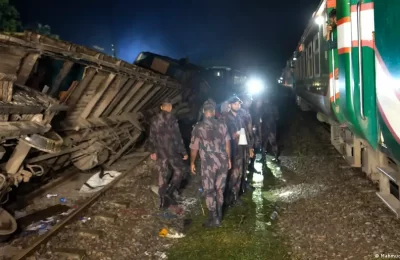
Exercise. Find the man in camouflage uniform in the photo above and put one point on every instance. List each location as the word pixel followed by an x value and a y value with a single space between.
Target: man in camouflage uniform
pixel 167 149
pixel 200 114
pixel 234 123
pixel 245 115
pixel 211 137
pixel 269 117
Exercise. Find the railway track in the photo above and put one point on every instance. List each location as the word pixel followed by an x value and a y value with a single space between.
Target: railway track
pixel 134 160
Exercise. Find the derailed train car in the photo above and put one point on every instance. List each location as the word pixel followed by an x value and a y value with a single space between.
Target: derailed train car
pixel 63 104
pixel 195 88
pixel 352 81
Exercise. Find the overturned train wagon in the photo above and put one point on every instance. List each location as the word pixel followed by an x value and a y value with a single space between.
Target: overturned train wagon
pixel 63 104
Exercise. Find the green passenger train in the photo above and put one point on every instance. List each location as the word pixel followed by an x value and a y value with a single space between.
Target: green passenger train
pixel 352 79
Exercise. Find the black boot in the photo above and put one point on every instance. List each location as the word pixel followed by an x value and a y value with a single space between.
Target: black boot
pixel 236 199
pixel 213 220
pixel 170 194
pixel 276 159
pixel 228 199
pixel 164 201
pixel 249 187
pixel 251 165
pixel 263 156
pixel 219 212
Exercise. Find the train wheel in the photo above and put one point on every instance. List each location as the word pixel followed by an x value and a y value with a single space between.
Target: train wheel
pixel 49 142
pixel 8 225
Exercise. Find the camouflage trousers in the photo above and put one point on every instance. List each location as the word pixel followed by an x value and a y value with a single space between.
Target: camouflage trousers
pixel 236 173
pixel 214 170
pixel 269 136
pixel 164 167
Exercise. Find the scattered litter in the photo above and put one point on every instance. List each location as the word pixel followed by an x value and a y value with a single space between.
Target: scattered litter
pixel 163 232
pixel 41 227
pixel 66 213
pixel 268 223
pixel 154 189
pixel 189 202
pixel 98 181
pixel 84 219
pixel 63 200
pixel 19 214
pixel 51 195
pixel 161 255
pixel 274 215
pixel 172 233
pixel 146 216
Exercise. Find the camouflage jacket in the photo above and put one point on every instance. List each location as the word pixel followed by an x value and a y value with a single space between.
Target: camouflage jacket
pixel 209 137
pixel 234 124
pixel 247 121
pixel 165 137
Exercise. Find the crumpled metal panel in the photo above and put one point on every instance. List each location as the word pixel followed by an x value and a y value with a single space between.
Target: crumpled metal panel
pixel 109 98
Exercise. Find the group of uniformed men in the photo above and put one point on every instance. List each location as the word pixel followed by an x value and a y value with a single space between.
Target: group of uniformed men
pixel 224 162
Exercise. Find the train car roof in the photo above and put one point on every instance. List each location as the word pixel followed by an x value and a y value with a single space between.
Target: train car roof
pixel 319 10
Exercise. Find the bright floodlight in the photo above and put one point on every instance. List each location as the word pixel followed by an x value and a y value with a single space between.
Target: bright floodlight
pixel 319 20
pixel 255 86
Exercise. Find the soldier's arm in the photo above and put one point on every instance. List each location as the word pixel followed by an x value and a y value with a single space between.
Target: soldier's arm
pixel 228 144
pixel 194 145
pixel 181 146
pixel 151 141
pixel 251 134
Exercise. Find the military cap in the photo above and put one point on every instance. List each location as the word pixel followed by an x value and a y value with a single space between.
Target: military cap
pixel 234 99
pixel 209 105
pixel 166 101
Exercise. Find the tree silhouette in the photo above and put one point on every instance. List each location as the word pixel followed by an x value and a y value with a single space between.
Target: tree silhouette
pixel 9 17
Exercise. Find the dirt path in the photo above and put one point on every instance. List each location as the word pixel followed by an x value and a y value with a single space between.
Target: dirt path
pixel 326 209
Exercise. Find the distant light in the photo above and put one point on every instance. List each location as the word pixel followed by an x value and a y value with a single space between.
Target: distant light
pixel 294 58
pixel 281 78
pixel 218 73
pixel 319 20
pixel 255 86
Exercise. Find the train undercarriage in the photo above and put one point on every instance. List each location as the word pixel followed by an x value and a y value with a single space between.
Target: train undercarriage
pixel 63 104
pixel 378 165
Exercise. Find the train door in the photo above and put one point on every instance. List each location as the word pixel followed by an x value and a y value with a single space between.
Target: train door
pixel 355 22
pixel 387 64
pixel 333 65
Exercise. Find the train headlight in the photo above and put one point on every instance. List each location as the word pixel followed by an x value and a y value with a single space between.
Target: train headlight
pixel 255 86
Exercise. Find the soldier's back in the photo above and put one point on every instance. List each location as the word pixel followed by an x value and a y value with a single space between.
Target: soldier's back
pixel 212 134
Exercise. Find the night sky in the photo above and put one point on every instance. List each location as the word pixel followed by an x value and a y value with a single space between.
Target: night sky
pixel 256 34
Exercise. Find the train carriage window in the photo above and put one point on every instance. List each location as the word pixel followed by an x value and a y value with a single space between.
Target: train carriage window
pixel 309 61
pixel 316 56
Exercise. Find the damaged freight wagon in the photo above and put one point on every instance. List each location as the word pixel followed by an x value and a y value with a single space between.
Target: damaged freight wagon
pixel 63 104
